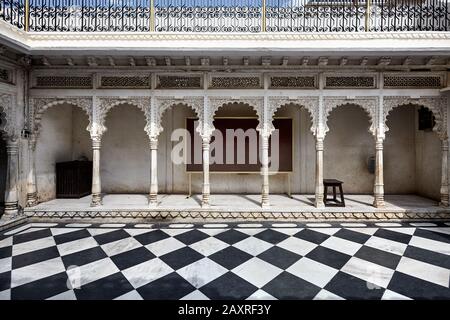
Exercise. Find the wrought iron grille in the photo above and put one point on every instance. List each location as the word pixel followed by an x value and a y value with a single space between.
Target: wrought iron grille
pixel 227 15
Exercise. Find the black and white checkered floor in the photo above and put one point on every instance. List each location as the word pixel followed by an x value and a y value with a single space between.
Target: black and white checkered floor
pixel 226 261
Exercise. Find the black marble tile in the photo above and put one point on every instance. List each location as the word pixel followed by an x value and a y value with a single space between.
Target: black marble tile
pixel 6 252
pixel 180 258
pixel 416 288
pixel 312 236
pixel 329 257
pixel 380 257
pixel 169 287
pixel 111 236
pixel 393 235
pixel 131 258
pixel 83 257
pixel 191 237
pixel 30 236
pixel 231 236
pixel 352 235
pixel 151 236
pixel 271 236
pixel 432 235
pixel 230 257
pixel 5 280
pixel 279 257
pixel 352 288
pixel 72 236
pixel 435 258
pixel 42 288
pixel 229 286
pixel 289 287
pixel 109 287
pixel 28 258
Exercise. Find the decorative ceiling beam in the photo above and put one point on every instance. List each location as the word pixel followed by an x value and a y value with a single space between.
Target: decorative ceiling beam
pixel 384 61
pixel 92 62
pixel 323 61
pixel 266 61
pixel 151 62
pixel 364 61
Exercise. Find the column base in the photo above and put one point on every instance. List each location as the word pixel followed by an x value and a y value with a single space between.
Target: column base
pixel 205 201
pixel 444 200
pixel 32 199
pixel 11 210
pixel 96 200
pixel 153 200
pixel 318 203
pixel 265 201
pixel 378 201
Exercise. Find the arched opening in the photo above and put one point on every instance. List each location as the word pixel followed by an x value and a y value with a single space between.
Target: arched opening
pixel 172 175
pixel 349 148
pixel 412 157
pixel 125 152
pixel 303 158
pixel 62 137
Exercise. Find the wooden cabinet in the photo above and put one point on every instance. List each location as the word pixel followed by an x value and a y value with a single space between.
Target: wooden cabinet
pixel 73 179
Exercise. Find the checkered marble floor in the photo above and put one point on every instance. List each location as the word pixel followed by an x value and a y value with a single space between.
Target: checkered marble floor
pixel 269 260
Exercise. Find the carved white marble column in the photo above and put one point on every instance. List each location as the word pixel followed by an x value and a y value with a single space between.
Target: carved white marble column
pixel 319 172
pixel 96 181
pixel 444 173
pixel 378 190
pixel 205 158
pixel 265 169
pixel 11 193
pixel 31 178
pixel 153 197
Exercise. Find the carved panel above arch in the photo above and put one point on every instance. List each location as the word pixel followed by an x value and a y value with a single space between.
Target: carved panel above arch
pixel 368 104
pixel 8 125
pixel 40 105
pixel 311 104
pixel 437 105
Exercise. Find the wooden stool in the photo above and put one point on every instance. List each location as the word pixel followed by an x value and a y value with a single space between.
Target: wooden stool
pixel 333 183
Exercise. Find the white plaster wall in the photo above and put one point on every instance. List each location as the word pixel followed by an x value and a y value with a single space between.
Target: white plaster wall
pixel 125 152
pixel 54 144
pixel 347 147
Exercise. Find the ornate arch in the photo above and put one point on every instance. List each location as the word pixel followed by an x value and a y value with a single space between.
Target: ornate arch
pixel 437 105
pixel 165 103
pixel 7 115
pixel 107 103
pixel 311 104
pixel 368 104
pixel 257 103
pixel 40 105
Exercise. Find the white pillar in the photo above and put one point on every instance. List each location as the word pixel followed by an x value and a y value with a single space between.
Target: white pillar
pixel 31 178
pixel 265 170
pixel 444 174
pixel 96 182
pixel 319 172
pixel 11 196
pixel 378 189
pixel 205 156
pixel 153 197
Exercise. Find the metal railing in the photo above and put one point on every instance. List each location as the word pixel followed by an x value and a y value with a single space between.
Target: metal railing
pixel 227 15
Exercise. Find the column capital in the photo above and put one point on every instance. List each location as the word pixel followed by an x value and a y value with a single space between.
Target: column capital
pixel 96 142
pixel 153 142
pixel 12 146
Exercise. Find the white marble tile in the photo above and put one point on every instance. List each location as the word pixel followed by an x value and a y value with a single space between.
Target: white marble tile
pixel 368 231
pixel 249 225
pixel 368 271
pixel 328 231
pixel 353 224
pixel 98 231
pixel 33 245
pixel 146 272
pixel 209 246
pixel 312 271
pixel 284 225
pixel 386 245
pixel 181 225
pixel 5 294
pixel 318 225
pixel 29 230
pixel 327 295
pixel 5 264
pixel 143 225
pixel 76 246
pixel 440 230
pixel 112 225
pixel 91 272
pixel 257 271
pixel 132 295
pixel 43 224
pixel 215 225
pixel 253 246
pixel 195 295
pixel 388 224
pixel 6 242
pixel 66 295
pixel 408 231
pixel 78 225
pixel 119 246
pixel 424 271
pixel 422 224
pixel 391 295
pixel 136 232
pixel 212 232
pixel 176 231
pixel 164 246
pixel 431 245
pixel 17 230
pixel 250 231
pixel 36 271
pixel 58 231
pixel 296 245
pixel 201 272
pixel 261 295
pixel 341 245
pixel 288 231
